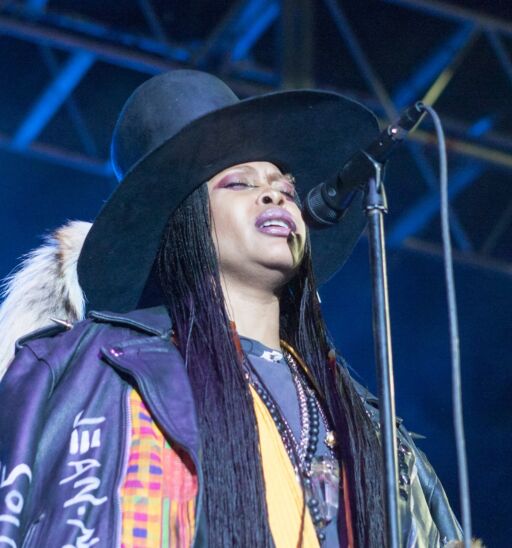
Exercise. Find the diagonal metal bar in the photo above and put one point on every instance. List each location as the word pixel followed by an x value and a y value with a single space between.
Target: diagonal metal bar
pixel 243 80
pixel 501 53
pixel 468 149
pixel 52 98
pixel 71 107
pixel 446 60
pixel 497 231
pixel 152 20
pixel 360 57
pixel 241 27
pixel 216 36
pixel 419 214
pixel 59 156
pixel 250 12
pixel 428 174
pixel 130 58
pixel 456 13
pixel 52 37
pixel 61 25
pixel 255 30
pixel 471 259
pixel 412 89
pixel 416 217
pixel 445 77
pixel 36 5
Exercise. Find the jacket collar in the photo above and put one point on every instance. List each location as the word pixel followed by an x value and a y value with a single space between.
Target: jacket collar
pixel 154 321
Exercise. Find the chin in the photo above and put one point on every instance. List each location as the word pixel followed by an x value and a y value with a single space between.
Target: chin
pixel 284 260
pixel 279 273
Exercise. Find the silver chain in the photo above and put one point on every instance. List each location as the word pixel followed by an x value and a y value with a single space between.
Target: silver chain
pixel 303 393
pixel 303 407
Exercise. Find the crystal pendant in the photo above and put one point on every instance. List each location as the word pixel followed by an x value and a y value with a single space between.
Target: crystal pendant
pixel 324 486
pixel 330 439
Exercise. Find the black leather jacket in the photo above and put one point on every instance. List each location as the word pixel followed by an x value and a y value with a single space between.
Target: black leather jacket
pixel 64 434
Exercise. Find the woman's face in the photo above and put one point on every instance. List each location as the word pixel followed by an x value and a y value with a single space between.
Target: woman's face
pixel 257 227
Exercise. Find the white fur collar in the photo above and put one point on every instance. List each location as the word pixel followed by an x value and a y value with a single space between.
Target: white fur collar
pixel 45 286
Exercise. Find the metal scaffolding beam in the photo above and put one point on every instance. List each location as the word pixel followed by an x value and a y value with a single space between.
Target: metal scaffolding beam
pixel 427 172
pixel 501 53
pixel 372 78
pixel 414 87
pixel 36 5
pixel 237 32
pixel 455 13
pixel 52 98
pixel 469 259
pixel 152 20
pixel 104 51
pixel 246 80
pixel 253 31
pixel 70 105
pixel 422 211
pixel 228 51
pixel 60 156
pixel 297 49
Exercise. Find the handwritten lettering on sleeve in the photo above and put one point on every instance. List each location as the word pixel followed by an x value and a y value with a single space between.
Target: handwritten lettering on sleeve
pixel 84 477
pixel 12 500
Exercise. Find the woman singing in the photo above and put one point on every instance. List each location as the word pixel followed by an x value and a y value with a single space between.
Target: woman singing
pixel 201 401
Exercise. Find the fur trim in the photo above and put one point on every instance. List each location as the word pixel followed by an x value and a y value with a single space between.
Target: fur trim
pixel 44 287
pixel 475 543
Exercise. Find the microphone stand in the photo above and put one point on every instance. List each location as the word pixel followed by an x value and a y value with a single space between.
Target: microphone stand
pixel 325 205
pixel 375 206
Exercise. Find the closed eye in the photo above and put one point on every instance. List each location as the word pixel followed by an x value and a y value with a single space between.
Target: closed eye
pixel 288 191
pixel 291 194
pixel 239 184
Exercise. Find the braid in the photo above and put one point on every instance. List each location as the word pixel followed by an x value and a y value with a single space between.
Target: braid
pixel 235 504
pixel 358 445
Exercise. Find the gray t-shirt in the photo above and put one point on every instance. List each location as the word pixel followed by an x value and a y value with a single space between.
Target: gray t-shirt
pixel 277 378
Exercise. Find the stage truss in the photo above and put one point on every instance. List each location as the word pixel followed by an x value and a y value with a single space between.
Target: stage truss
pixel 75 44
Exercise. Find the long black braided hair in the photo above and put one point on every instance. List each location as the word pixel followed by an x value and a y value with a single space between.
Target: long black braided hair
pixel 235 504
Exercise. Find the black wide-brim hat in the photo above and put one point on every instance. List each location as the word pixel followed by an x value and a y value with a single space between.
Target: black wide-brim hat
pixel 178 130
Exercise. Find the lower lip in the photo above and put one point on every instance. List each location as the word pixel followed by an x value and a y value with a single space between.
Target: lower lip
pixel 275 231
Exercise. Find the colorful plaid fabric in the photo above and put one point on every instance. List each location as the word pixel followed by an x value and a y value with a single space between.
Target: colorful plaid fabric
pixel 159 490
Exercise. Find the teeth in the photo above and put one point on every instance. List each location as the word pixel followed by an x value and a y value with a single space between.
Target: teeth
pixel 275 222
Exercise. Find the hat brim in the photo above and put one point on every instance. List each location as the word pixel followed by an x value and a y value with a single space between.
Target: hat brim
pixel 307 133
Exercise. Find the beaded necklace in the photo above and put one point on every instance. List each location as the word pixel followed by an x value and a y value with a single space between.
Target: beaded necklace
pixel 319 475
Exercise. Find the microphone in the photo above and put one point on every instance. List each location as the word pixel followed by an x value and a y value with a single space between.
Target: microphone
pixel 327 203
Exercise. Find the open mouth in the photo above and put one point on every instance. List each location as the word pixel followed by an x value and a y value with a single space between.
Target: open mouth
pixel 276 221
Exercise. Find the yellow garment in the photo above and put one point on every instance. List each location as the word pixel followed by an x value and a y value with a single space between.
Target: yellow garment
pixel 285 501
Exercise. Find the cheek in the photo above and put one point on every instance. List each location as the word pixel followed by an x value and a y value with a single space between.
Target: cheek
pixel 301 225
pixel 228 224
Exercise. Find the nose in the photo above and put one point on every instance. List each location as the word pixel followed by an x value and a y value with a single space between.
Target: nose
pixel 271 196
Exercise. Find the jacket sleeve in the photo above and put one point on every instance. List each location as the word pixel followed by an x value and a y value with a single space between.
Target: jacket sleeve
pixel 436 498
pixel 430 511
pixel 426 516
pixel 24 392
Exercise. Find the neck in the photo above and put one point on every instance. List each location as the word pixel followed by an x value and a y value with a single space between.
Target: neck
pixel 255 311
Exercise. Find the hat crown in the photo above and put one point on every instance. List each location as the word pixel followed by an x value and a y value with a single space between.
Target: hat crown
pixel 159 108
